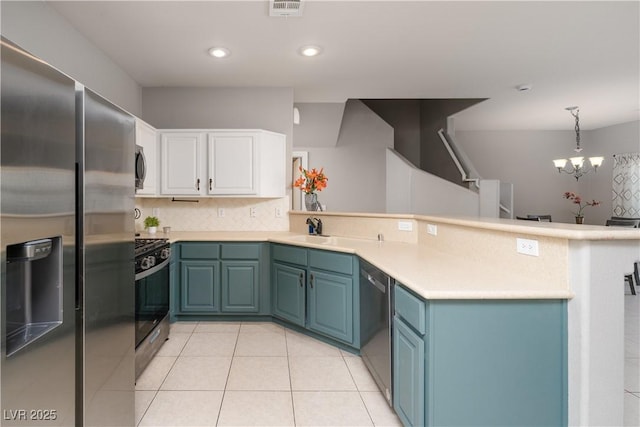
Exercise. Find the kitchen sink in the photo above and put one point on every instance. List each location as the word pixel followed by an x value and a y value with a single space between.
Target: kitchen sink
pixel 314 238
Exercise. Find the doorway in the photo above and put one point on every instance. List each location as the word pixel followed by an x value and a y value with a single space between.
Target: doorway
pixel 298 159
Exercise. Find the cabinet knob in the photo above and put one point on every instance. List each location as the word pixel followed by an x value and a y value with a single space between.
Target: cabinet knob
pixel 198 184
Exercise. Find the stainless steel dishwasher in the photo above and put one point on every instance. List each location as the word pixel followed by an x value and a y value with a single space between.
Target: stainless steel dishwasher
pixel 376 310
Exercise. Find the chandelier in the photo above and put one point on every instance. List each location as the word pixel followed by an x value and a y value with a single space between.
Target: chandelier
pixel 578 168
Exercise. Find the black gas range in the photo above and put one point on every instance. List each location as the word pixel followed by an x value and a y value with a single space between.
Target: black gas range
pixel 152 258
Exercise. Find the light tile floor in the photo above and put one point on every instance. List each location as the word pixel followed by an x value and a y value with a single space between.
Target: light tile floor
pixel 632 360
pixel 261 374
pixel 255 374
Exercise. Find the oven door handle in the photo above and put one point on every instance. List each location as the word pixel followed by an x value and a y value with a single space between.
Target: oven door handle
pixel 152 270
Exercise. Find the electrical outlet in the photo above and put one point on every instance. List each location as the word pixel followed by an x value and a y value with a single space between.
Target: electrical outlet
pixel 220 212
pixel 527 247
pixel 432 229
pixel 405 226
pixel 278 212
pixel 155 212
pixel 252 212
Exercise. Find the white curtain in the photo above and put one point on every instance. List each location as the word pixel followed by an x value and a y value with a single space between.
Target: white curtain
pixel 626 185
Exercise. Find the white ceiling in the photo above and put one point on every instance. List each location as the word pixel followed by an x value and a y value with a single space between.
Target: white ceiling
pixel 573 53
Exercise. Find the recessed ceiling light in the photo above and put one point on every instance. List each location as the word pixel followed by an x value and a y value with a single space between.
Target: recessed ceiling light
pixel 310 50
pixel 524 87
pixel 219 52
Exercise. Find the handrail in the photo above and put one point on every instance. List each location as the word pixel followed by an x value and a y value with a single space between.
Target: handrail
pixel 504 209
pixel 454 157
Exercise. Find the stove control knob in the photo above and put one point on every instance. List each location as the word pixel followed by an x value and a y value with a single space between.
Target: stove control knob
pixel 165 253
pixel 147 262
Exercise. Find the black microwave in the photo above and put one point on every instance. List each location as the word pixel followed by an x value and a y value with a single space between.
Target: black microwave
pixel 141 168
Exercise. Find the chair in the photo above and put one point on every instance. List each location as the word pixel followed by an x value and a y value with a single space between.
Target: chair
pixel 623 222
pixel 541 218
pixel 525 218
pixel 629 278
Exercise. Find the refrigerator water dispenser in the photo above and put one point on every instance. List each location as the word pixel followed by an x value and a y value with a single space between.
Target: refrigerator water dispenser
pixel 34 291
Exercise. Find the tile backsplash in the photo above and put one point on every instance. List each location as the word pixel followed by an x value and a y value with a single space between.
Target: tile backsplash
pixel 203 215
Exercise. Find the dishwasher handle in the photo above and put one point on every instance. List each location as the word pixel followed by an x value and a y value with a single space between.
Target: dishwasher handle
pixel 375 282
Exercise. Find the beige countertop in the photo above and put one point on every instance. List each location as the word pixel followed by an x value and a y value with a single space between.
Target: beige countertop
pixel 430 273
pixel 547 229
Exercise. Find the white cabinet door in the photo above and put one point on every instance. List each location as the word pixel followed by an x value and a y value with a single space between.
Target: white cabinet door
pixel 146 138
pixel 180 154
pixel 231 163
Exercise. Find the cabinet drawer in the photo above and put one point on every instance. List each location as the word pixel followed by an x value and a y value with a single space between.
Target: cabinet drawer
pixel 240 251
pixel 331 261
pixel 411 309
pixel 290 254
pixel 199 250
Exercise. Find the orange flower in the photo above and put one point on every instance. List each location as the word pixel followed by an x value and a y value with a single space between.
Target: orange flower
pixel 311 181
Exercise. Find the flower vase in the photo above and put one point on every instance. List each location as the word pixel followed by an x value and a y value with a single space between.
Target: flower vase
pixel 579 219
pixel 311 201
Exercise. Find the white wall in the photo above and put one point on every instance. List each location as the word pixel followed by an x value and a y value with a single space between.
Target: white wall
pixel 37 28
pixel 319 124
pixel 412 190
pixel 356 165
pixel 524 159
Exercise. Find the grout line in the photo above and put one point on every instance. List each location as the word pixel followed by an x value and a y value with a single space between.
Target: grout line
pixel 286 347
pixel 155 393
pixel 224 391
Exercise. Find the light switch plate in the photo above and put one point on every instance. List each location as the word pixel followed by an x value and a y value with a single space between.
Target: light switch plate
pixel 220 212
pixel 527 247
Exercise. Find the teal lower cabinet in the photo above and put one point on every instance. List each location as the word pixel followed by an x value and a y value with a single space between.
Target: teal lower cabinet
pixel 200 286
pixel 220 279
pixel 480 362
pixel 240 286
pixel 316 290
pixel 330 301
pixel 408 374
pixel 288 293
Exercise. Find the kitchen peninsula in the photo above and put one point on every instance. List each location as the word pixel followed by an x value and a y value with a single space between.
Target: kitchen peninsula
pixel 445 258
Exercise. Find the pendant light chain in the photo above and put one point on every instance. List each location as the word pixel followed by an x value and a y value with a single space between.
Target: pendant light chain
pixel 577 129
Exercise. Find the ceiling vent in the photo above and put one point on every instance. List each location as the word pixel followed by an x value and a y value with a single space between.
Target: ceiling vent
pixel 285 7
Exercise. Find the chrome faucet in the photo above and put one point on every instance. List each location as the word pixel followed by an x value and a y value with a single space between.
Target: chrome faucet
pixel 315 226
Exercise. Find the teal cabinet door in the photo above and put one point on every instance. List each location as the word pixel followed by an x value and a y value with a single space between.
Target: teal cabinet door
pixel 240 286
pixel 199 286
pixel 331 305
pixel 288 293
pixel 408 374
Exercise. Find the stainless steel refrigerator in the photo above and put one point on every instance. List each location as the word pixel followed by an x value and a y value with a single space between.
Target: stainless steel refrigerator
pixel 66 250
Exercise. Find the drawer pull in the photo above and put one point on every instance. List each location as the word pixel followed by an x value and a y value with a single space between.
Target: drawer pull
pixel 311 281
pixel 210 184
pixel 301 279
pixel 198 184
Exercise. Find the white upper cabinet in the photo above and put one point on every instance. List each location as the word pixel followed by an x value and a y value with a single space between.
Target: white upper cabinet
pixel 231 158
pixel 146 138
pixel 180 170
pixel 240 163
